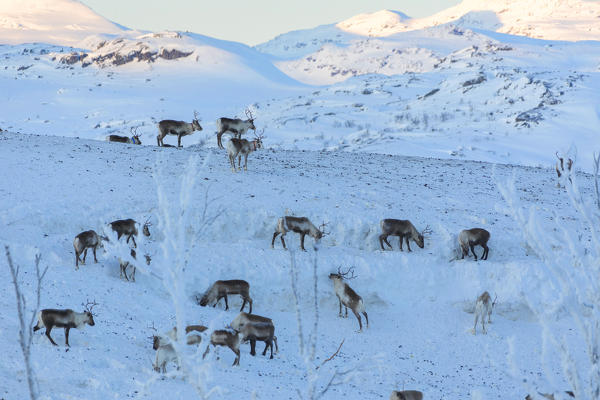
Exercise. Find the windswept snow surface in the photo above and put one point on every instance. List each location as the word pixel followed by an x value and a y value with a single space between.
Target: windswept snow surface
pixel 419 303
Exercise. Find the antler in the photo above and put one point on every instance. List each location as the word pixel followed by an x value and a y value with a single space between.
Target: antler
pixel 249 115
pixel 322 229
pixel 426 231
pixel 147 223
pixel 345 274
pixel 133 131
pixel 260 135
pixel 495 298
pixel 89 305
pixel 196 115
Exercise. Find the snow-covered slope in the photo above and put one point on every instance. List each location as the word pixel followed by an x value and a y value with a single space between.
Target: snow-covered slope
pixel 419 303
pixel 373 24
pixel 61 22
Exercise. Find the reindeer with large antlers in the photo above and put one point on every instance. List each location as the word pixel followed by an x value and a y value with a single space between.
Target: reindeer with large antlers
pixel 134 139
pixel 236 148
pixel 348 297
pixel 301 225
pixel 177 128
pixel 404 229
pixel 236 126
pixel 67 319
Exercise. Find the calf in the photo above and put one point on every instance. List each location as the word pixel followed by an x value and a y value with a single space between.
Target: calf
pixel 301 225
pixel 67 319
pixel 406 395
pixel 220 289
pixel 83 241
pixel 469 238
pixel 226 338
pixel 348 297
pixel 236 148
pixel 253 328
pixel 483 308
pixel 402 228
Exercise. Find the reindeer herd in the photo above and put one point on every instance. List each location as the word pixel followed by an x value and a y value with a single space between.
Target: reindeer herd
pixel 247 327
pixel 236 147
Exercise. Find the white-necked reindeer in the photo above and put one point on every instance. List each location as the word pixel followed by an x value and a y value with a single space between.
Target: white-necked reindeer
pixel 83 241
pixel 404 229
pixel 177 128
pixel 134 139
pixel 49 318
pixel 128 227
pixel 236 148
pixel 406 395
pixel 234 125
pixel 301 225
pixel 469 238
pixel 483 308
pixel 226 338
pixel 348 297
pixel 254 327
pixel 220 289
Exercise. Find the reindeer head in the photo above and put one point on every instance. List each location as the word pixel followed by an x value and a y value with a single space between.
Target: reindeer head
pixel 250 119
pixel 258 138
pixel 420 241
pixel 145 229
pixel 196 122
pixel 135 138
pixel 155 338
pixel 88 307
pixel 349 274
pixel 321 231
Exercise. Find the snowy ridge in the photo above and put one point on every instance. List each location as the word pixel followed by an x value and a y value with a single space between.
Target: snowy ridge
pixel 374 24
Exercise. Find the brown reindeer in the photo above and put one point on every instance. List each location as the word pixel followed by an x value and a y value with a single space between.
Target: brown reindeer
pixel 220 289
pixel 128 227
pixel 177 128
pixel 469 238
pixel 348 297
pixel 301 225
pixel 49 318
pixel 236 126
pixel 134 139
pixel 406 395
pixel 253 328
pixel 83 241
pixel 226 338
pixel 404 229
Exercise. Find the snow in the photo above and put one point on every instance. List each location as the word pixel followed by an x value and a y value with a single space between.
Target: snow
pixel 379 116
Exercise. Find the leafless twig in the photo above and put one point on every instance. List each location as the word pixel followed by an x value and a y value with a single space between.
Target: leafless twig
pixel 333 355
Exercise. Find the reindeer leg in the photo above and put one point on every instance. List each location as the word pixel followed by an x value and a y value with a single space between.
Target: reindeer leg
pixel 84 255
pixel 266 347
pixel 473 251
pixel 206 351
pixel 401 238
pixel 67 329
pixel 386 242
pixel 226 304
pixel 94 251
pixel 408 243
pixel 240 162
pixel 283 241
pixel 465 252
pixel 253 347
pixel 302 241
pixel 133 274
pixel 475 325
pixel 485 252
pixel 219 144
pixel 357 315
pixel 346 312
pixel 237 357
pixel 76 260
pixel 178 140
pixel 48 330
pixel 246 162
pixel 340 301
pixel 381 242
pixel 366 317
pixel 483 324
pixel 250 305
pixel 273 241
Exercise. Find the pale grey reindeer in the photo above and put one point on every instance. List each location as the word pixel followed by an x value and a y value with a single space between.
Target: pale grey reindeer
pixel 406 395
pixel 236 148
pixel 253 328
pixel 128 227
pixel 236 126
pixel 301 225
pixel 220 289
pixel 134 139
pixel 348 297
pixel 123 264
pixel 177 128
pixel 83 241
pixel 49 318
pixel 225 338
pixel 469 238
pixel 483 308
pixel 404 229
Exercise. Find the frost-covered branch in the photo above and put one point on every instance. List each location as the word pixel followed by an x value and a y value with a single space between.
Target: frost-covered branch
pixel 25 330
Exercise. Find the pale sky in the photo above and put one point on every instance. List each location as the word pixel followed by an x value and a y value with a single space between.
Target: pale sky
pixel 249 21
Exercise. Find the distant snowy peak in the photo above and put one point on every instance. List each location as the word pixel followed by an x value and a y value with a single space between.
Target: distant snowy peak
pixel 380 23
pixel 543 19
pixel 62 22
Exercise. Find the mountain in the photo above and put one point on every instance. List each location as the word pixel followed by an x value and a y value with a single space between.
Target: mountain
pixel 373 24
pixel 61 22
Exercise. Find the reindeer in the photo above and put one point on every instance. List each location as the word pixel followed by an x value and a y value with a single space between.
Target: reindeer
pixel 225 338
pixel 67 319
pixel 253 328
pixel 128 228
pixel 469 238
pixel 347 296
pixel 178 128
pixel 83 241
pixel 134 139
pixel 404 229
pixel 220 289
pixel 242 147
pixel 483 308
pixel 406 395
pixel 300 225
pixel 164 340
pixel 124 264
pixel 164 355
pixel 236 126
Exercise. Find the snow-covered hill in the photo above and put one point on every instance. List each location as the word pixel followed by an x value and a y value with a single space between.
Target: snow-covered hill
pixel 61 22
pixel 419 303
